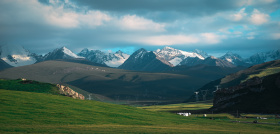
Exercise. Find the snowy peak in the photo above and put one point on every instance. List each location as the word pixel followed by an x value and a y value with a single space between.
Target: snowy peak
pixel 16 55
pixel 84 52
pixel 202 53
pixel 139 54
pixel 231 57
pixel 175 56
pixel 60 53
pixel 143 60
pixel 109 59
pixel 210 61
pixel 69 52
pixel 263 57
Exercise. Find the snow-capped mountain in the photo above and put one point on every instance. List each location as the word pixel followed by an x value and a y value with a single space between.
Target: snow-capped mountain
pixel 263 57
pixel 116 59
pixel 175 56
pixel 110 59
pixel 234 59
pixel 95 56
pixel 143 60
pixel 15 55
pixel 61 53
pixel 211 61
pixel 202 53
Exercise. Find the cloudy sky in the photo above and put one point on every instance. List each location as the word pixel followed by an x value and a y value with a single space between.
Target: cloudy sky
pixel 215 26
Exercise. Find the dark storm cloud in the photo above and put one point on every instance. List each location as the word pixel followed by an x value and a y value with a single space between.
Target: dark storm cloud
pixel 190 7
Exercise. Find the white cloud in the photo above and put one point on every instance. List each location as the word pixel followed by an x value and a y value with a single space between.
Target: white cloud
pixel 238 16
pixel 57 17
pixel 133 22
pixel 211 38
pixel 275 36
pixel 55 14
pixel 259 18
pixel 251 35
pixel 94 18
pixel 162 40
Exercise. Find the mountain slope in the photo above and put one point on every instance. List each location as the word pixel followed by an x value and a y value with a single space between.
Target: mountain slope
pixel 238 77
pixel 234 59
pixel 255 95
pixel 202 53
pixel 60 53
pixel 142 60
pixel 210 61
pixel 16 55
pixel 264 57
pixel 4 65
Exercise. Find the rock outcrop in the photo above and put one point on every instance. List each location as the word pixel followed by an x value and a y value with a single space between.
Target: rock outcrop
pixel 67 91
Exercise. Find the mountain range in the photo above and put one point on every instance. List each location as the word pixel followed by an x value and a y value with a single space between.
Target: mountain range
pixel 140 60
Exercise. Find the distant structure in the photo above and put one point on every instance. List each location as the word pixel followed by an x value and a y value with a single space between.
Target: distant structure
pixel 185 114
pixel 89 96
pixel 217 87
pixel 196 96
pixel 204 93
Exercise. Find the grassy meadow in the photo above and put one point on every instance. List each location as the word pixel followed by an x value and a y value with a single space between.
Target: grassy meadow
pixel 180 107
pixel 29 112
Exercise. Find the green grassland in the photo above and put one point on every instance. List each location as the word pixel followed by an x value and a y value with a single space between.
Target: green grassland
pixel 29 112
pixel 180 107
pixel 29 86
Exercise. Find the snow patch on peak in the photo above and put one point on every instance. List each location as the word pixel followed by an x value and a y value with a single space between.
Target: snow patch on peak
pixel 175 56
pixel 202 53
pixel 176 61
pixel 70 53
pixel 140 53
pixel 108 58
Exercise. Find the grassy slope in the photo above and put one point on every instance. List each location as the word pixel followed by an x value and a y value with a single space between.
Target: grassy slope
pixel 29 86
pixel 26 112
pixel 265 72
pixel 180 107
pixel 234 79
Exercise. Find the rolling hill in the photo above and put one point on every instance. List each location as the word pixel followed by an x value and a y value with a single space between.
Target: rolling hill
pixel 116 84
pixel 113 83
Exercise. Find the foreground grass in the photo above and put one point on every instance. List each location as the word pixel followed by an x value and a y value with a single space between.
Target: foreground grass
pixel 26 112
pixel 180 107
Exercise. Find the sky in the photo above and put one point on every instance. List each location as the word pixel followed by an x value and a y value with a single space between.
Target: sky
pixel 215 26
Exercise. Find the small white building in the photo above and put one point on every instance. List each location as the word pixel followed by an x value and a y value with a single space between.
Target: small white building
pixel 184 114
